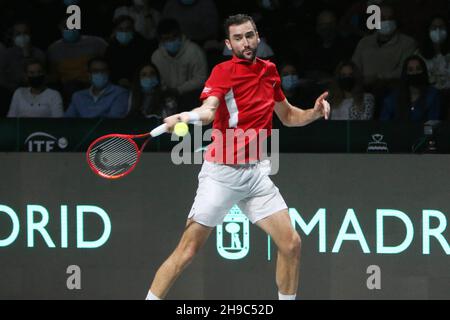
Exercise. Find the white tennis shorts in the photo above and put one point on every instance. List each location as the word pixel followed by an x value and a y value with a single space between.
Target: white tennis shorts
pixel 248 186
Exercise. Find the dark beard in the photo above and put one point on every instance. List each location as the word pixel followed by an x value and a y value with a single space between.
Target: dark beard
pixel 241 55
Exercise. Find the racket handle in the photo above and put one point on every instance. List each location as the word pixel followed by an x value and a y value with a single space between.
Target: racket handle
pixel 159 131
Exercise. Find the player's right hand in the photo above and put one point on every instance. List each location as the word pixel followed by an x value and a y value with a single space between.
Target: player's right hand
pixel 173 120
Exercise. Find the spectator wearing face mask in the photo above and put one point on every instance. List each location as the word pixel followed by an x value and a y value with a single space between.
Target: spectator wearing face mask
pixel 380 56
pixel 145 17
pixel 414 15
pixel 69 56
pixel 347 95
pixel 181 63
pixel 298 91
pixel 148 98
pixel 416 100
pixel 126 52
pixel 199 19
pixel 290 82
pixel 18 55
pixel 436 52
pixel 36 100
pixel 102 99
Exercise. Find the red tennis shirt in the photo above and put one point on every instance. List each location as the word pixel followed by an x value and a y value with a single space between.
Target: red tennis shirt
pixel 247 92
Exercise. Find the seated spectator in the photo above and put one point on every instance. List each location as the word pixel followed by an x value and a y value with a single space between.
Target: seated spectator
pixel 16 57
pixel 347 96
pixel 69 56
pixel 145 17
pixel 102 99
pixel 414 15
pixel 416 100
pixel 181 63
pixel 436 51
pixel 380 56
pixel 199 19
pixel 327 49
pixel 126 52
pixel 148 98
pixel 36 100
pixel 299 92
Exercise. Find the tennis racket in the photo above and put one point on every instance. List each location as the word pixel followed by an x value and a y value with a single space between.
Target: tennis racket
pixel 115 156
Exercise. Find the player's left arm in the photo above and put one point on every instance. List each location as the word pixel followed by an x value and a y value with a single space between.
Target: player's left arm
pixel 292 116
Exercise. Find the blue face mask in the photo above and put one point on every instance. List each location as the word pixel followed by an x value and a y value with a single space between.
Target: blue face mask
pixel 124 37
pixel 172 47
pixel 100 80
pixel 290 82
pixel 71 36
pixel 148 84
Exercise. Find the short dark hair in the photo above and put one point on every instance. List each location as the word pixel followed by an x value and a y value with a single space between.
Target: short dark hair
pixel 422 63
pixel 97 59
pixel 168 26
pixel 237 20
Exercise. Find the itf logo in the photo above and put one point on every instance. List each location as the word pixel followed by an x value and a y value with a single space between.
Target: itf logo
pixel 44 142
pixel 233 236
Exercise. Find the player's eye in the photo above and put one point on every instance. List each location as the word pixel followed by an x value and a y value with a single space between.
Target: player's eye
pixel 250 35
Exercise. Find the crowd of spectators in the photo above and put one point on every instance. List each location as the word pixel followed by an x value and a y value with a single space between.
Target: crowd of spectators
pixel 151 58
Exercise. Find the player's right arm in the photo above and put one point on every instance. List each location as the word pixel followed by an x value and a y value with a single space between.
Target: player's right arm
pixel 206 114
pixel 215 90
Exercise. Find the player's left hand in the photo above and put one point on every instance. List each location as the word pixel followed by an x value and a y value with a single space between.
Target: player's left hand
pixel 322 107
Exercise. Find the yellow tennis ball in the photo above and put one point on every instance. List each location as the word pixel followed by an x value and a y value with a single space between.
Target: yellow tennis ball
pixel 181 129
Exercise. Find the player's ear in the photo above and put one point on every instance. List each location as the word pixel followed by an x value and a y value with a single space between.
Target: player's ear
pixel 259 39
pixel 228 44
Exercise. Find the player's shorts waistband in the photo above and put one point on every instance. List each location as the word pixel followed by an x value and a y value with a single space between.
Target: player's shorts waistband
pixel 251 164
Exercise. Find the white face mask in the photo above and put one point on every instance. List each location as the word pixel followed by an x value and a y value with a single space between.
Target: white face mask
pixel 438 35
pixel 388 27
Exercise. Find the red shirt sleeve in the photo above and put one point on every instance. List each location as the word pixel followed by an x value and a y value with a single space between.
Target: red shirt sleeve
pixel 278 95
pixel 217 85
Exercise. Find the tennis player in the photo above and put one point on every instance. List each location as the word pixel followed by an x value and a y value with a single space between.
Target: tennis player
pixel 241 94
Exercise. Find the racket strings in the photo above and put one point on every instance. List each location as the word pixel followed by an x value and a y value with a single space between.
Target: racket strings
pixel 114 156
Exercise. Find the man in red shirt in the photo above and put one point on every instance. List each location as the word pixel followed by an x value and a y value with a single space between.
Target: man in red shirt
pixel 240 97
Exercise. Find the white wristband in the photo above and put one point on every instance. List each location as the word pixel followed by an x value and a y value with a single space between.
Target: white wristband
pixel 194 117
